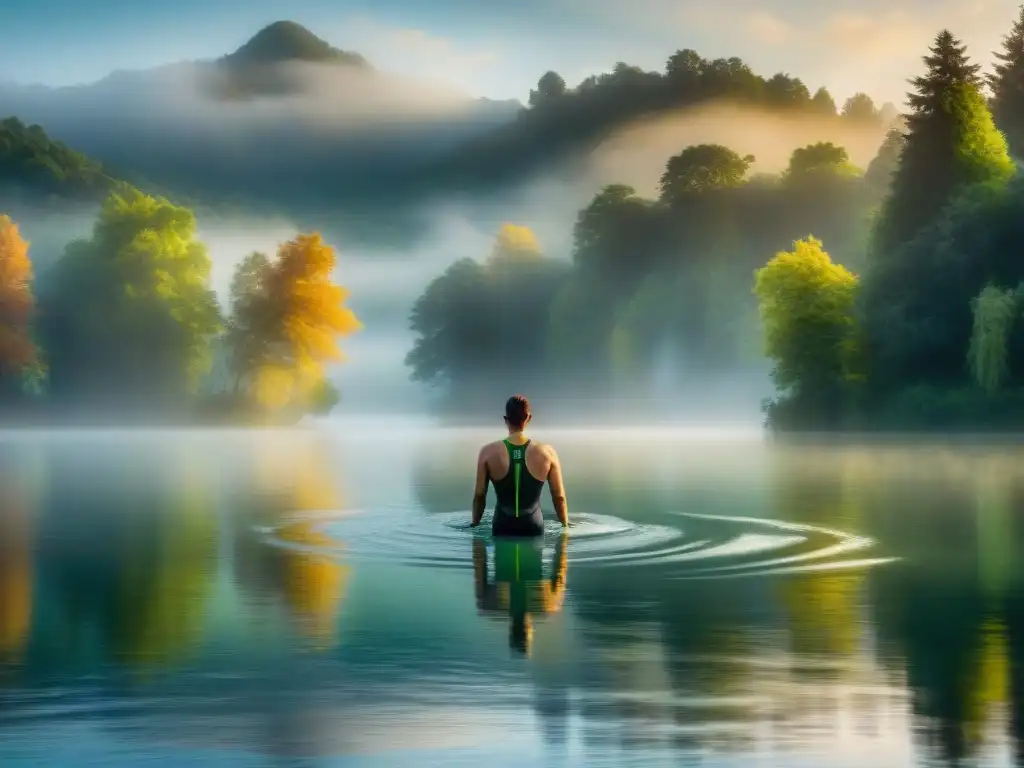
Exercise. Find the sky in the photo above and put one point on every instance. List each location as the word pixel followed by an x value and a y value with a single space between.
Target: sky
pixel 498 49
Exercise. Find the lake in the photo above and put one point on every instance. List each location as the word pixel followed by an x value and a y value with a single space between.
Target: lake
pixel 310 597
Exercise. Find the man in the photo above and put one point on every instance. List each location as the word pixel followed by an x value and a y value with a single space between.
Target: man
pixel 518 469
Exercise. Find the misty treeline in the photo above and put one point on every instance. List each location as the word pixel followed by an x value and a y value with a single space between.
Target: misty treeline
pixel 895 300
pixel 566 124
pixel 125 324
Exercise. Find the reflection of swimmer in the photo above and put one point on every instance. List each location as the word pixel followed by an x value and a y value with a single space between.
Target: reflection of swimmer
pixel 518 475
pixel 519 589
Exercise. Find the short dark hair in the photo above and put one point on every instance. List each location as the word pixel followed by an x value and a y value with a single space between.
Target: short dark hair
pixel 517 410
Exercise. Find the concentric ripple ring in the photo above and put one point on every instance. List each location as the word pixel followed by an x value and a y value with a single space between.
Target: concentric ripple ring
pixel 709 546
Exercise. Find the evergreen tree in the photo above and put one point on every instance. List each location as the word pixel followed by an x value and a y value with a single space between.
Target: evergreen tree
pixel 1007 83
pixel 951 142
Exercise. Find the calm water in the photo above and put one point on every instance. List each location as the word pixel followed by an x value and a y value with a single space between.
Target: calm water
pixel 310 597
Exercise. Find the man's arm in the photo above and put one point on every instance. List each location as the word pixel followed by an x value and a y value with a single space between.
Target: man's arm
pixel 480 492
pixel 558 489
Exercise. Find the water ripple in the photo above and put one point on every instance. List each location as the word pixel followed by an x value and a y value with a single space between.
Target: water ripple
pixel 707 546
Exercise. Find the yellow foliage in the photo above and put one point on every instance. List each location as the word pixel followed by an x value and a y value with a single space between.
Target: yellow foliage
pixel 16 301
pixel 314 585
pixel 514 239
pixel 274 386
pixel 806 304
pixel 301 315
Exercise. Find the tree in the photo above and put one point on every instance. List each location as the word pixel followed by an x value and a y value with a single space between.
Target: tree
pixel 287 317
pixel 951 142
pixel 1007 84
pixel 823 103
pixel 702 168
pixel 785 91
pixel 550 88
pixel 128 316
pixel 684 68
pixel 994 309
pixel 17 304
pixel 861 108
pixel 823 160
pixel 806 303
pixel 884 164
pixel 484 324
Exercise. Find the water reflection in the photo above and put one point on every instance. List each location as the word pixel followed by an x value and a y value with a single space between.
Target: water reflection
pixel 518 590
pixel 16 560
pixel 286 491
pixel 134 571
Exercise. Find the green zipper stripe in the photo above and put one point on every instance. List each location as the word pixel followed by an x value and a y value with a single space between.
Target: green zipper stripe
pixel 517 489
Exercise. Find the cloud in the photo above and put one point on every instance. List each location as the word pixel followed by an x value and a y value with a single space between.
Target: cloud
pixel 421 53
pixel 767 28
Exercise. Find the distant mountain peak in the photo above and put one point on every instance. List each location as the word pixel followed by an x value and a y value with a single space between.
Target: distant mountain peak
pixel 285 41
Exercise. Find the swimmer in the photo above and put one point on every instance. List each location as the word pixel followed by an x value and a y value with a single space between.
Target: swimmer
pixel 518 468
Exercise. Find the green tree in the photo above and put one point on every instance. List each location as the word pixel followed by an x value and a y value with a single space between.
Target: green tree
pixel 823 103
pixel 1007 84
pixel 884 164
pixel 951 142
pixel 861 108
pixel 483 325
pixel 129 316
pixel 700 169
pixel 823 160
pixel 550 88
pixel 806 303
pixel 684 68
pixel 995 310
pixel 785 91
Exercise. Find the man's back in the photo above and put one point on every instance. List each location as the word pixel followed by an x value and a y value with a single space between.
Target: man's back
pixel 518 468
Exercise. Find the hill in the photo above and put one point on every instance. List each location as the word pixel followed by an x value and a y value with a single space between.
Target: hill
pixel 287 41
pixel 33 164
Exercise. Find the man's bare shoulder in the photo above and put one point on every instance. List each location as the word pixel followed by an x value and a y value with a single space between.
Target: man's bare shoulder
pixel 489 449
pixel 546 448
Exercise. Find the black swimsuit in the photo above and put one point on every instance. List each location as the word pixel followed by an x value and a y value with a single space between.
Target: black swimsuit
pixel 518 512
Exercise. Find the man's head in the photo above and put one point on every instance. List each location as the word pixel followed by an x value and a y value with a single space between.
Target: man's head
pixel 517 413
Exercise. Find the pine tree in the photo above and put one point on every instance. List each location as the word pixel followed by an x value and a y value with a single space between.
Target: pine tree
pixel 951 142
pixel 1007 83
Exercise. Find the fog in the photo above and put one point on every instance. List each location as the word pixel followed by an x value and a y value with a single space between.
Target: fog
pixel 154 112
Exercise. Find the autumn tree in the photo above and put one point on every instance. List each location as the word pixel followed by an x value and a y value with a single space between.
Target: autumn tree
pixel 17 304
pixel 1007 84
pixel 128 316
pixel 951 143
pixel 287 315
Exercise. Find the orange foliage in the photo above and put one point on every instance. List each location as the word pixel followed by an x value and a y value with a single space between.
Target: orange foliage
pixel 314 313
pixel 289 315
pixel 15 579
pixel 16 301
